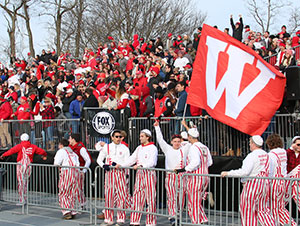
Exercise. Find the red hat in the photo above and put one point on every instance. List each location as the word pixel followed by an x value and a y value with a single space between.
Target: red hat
pixel 298 32
pixel 32 96
pixel 69 86
pixel 92 53
pixel 71 82
pixel 116 64
pixel 49 95
pixel 237 23
pixel 169 35
pixel 110 38
pixel 263 48
pixel 155 69
pixel 116 72
pixel 24 98
pixel 28 53
pixel 77 74
pixel 282 44
pixel 81 82
pixel 53 52
pixel 139 72
pixel 61 68
pixel 188 66
pixel 179 36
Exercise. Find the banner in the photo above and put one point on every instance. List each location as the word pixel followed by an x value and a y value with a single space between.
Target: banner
pixel 234 84
pixel 101 122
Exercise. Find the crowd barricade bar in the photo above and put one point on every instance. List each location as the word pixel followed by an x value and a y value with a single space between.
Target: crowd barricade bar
pixel 221 205
pixel 43 191
pixel 161 198
pixel 9 190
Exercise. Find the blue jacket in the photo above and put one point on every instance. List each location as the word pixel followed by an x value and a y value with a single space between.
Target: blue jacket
pixel 76 108
pixel 181 104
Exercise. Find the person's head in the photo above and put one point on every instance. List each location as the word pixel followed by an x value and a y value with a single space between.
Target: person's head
pixel 124 134
pixel 74 138
pixel 193 135
pixel 266 34
pixel 237 25
pixel 176 141
pixel 47 101
pixel 116 136
pixel 159 93
pixel 63 143
pixel 274 141
pixel 24 137
pixel 23 100
pixel 255 142
pixel 296 143
pixel 180 86
pixel 184 135
pixel 283 28
pixel 145 136
pixel 226 30
pixel 79 97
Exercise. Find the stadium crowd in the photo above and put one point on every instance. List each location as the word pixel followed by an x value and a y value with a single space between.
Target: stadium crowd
pixel 143 77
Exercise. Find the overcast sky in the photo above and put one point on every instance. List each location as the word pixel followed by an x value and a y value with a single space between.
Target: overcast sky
pixel 218 12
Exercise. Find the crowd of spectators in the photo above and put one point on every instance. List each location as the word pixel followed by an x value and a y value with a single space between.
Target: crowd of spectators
pixel 144 78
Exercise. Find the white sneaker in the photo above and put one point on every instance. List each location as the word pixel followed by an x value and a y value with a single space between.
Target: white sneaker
pixel 106 224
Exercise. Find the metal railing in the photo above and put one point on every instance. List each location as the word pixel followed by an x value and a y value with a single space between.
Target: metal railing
pixel 273 58
pixel 218 200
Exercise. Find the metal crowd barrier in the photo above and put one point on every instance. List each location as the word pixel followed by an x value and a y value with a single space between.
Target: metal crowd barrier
pixel 271 59
pixel 219 137
pixel 221 200
pixel 44 133
pixel 42 188
pixel 161 199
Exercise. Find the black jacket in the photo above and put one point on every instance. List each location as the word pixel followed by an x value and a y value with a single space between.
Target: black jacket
pixel 237 33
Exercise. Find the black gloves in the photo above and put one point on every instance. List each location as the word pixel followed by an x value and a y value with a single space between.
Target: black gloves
pixel 106 167
pixel 179 170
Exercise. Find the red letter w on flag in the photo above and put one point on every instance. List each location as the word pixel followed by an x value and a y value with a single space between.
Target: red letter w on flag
pixel 234 84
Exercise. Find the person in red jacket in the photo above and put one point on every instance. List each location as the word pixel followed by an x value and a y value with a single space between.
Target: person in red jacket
pixel 23 113
pixel 5 114
pixel 25 151
pixel 85 161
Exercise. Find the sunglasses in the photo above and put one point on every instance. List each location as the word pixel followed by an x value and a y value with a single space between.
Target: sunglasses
pixel 298 144
pixel 118 136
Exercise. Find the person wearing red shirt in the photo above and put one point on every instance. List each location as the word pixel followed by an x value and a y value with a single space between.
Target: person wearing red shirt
pixel 23 113
pixel 5 114
pixel 293 157
pixel 25 151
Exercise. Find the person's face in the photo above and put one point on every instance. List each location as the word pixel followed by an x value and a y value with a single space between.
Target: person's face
pixel 60 146
pixel 22 101
pixel 251 144
pixel 266 34
pixel 117 138
pixel 143 138
pixel 47 103
pixel 79 98
pixel 179 88
pixel 176 143
pixel 297 146
pixel 71 141
pixel 237 26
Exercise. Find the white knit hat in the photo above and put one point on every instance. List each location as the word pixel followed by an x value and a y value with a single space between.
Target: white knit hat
pixel 24 137
pixel 147 132
pixel 295 138
pixel 257 140
pixel 184 135
pixel 193 132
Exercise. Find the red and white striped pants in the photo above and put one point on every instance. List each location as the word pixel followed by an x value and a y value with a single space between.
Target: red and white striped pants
pixel 68 189
pixel 115 192
pixel 253 203
pixel 196 190
pixel 80 194
pixel 144 189
pixel 280 213
pixel 170 182
pixel 23 174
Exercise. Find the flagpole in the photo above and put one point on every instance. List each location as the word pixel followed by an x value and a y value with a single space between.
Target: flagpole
pixel 184 112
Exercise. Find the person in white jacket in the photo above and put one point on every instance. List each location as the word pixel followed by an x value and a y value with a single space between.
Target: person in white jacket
pixel 175 159
pixel 198 161
pixel 115 186
pixel 255 194
pixel 68 178
pixel 144 156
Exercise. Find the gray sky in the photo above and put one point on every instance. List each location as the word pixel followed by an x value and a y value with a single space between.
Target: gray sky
pixel 218 12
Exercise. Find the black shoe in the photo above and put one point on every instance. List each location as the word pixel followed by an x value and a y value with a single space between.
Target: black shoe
pixel 172 221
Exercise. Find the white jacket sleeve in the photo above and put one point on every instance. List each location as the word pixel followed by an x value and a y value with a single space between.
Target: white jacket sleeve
pixel 273 164
pixel 246 167
pixel 102 155
pixel 209 159
pixel 162 143
pixel 131 160
pixel 58 158
pixel 194 159
pixel 86 157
